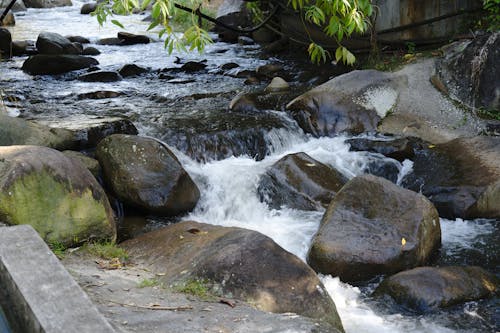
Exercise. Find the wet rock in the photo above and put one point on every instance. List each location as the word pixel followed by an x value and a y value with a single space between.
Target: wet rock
pixel 225 258
pixel 277 85
pixel 88 131
pixel 46 3
pixel 244 40
pixel 17 7
pixel 374 227
pixel 88 8
pixel 78 39
pixel 132 70
pixel 429 288
pixel 300 182
pixel 23 47
pixel 56 195
pixel 16 131
pixel 251 80
pixel 470 71
pixel 91 164
pixel 145 174
pixel 461 177
pixel 193 66
pixel 131 39
pixel 243 103
pixel 8 20
pixel 241 74
pixel 92 51
pixel 229 65
pixel 382 167
pixel 5 43
pixel 110 41
pixel 56 64
pixel 399 149
pixel 264 36
pixel 101 94
pixel 269 70
pixel 101 76
pixel 52 43
pixel 233 13
pixel 352 103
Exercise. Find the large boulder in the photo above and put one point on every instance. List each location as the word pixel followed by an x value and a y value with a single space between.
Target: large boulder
pixel 144 173
pixel 56 195
pixel 461 177
pixel 88 8
pixel 352 103
pixel 470 71
pixel 56 64
pixel 299 181
pixel 428 288
pixel 47 3
pixel 53 43
pixel 5 43
pixel 17 131
pixel 374 227
pixel 237 263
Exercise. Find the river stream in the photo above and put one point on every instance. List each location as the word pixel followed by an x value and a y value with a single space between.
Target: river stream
pixel 229 186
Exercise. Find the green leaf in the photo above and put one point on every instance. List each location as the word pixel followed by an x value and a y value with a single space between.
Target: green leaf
pixel 117 23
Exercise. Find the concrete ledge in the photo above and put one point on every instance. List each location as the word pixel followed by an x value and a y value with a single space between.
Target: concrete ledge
pixel 37 293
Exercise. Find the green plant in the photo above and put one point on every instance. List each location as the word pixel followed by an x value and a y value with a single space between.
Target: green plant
pixel 58 249
pixel 488 113
pixel 338 19
pixel 148 283
pixel 196 287
pixel 107 250
pixel 411 47
pixel 492 7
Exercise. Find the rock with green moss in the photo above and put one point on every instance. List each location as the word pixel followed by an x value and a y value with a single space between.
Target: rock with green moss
pixel 373 227
pixel 145 174
pixel 234 263
pixel 56 195
pixel 91 164
pixel 428 288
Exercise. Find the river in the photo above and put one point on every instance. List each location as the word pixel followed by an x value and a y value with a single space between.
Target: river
pixel 228 186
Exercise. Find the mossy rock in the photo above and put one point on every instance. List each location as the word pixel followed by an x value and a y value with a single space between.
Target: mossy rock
pixel 56 195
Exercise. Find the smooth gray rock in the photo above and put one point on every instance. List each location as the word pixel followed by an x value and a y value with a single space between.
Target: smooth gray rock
pixel 56 64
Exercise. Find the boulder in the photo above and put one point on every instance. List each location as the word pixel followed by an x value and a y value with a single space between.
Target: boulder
pixel 23 47
pixel 131 39
pixel 132 70
pixel 88 131
pixel 92 51
pixel 374 227
pixel 461 177
pixel 144 173
pixel 470 72
pixel 46 3
pixel 300 182
pixel 53 43
pixel 399 149
pixel 269 71
pixel 56 195
pixel 17 131
pixel 8 20
pixel 193 66
pixel 56 64
pixel 88 8
pixel 277 84
pixel 233 13
pixel 429 288
pixel 110 41
pixel 101 76
pixel 225 259
pixel 78 39
pixel 5 43
pixel 91 164
pixel 352 103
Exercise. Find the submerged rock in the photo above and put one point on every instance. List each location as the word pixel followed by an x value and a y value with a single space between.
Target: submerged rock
pixel 52 43
pixel 101 94
pixel 300 182
pixel 428 288
pixel 56 195
pixel 101 76
pixel 56 64
pixel 225 259
pixel 132 70
pixel 374 227
pixel 461 177
pixel 144 173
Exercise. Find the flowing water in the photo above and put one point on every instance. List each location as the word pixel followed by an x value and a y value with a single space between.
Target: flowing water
pixel 228 186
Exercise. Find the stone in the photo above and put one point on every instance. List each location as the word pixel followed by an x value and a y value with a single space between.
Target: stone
pixel 53 43
pixel 193 66
pixel 101 94
pixel 399 149
pixel 56 64
pixel 90 163
pixel 78 39
pixel 277 84
pixel 9 20
pixel 461 177
pixel 374 227
pixel 16 8
pixel 470 71
pixel 144 173
pixel 110 41
pixel 91 51
pixel 59 197
pixel 88 8
pixel 269 70
pixel 244 40
pixel 428 288
pixel 351 103
pixel 233 13
pixel 17 131
pixel 298 181
pixel 226 259
pixel 132 70
pixel 131 39
pixel 46 3
pixel 229 65
pixel 5 43
pixel 101 76
pixel 88 131
pixel 23 47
